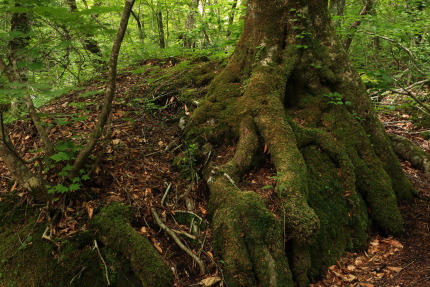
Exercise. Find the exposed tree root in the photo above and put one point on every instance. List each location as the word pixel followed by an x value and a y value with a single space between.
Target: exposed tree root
pixel 246 233
pixel 408 150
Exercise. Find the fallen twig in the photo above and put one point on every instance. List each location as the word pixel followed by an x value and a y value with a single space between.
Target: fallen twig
pixel 96 246
pixel 180 232
pixel 165 194
pixel 178 241
pixel 410 263
pixel 77 275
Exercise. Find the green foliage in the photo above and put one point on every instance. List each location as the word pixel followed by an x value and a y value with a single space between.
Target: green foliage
pixel 187 162
pixel 336 99
pixel 66 153
pixel 280 185
pixel 391 41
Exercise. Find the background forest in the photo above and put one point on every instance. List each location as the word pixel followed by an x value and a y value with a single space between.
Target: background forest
pixel 66 43
pixel 56 63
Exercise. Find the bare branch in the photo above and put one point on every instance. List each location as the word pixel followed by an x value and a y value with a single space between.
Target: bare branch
pixel 178 241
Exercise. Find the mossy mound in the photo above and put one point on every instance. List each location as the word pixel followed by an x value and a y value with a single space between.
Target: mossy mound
pixel 115 231
pixel 28 260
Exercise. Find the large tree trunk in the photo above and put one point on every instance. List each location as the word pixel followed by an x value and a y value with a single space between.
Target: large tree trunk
pixel 289 89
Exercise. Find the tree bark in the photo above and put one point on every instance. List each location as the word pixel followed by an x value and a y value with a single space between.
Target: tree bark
pixel 139 26
pixel 337 7
pixel 290 88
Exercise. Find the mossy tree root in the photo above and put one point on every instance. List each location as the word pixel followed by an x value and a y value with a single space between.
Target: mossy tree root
pixel 408 150
pixel 116 232
pixel 246 233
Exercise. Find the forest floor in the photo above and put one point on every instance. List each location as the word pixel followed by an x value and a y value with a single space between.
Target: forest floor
pixel 144 165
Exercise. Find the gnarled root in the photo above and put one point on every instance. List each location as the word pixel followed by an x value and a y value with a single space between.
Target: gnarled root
pixel 408 150
pixel 249 239
pixel 246 233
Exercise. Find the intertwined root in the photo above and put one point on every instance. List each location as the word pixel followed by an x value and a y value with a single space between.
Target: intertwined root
pixel 249 239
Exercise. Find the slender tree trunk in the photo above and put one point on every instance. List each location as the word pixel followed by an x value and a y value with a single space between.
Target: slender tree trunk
pixel 368 7
pixel 231 17
pixel 190 23
pixel 18 168
pixel 161 37
pixel 139 26
pixel 89 43
pixel 17 73
pixel 109 94
pixel 289 90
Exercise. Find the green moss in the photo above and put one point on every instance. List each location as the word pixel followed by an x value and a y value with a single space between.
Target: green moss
pixel 28 260
pixel 343 225
pixel 114 229
pixel 248 237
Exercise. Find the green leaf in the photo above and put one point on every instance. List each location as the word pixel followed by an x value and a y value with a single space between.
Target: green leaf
pixel 74 186
pixel 85 177
pixel 267 187
pixel 67 168
pixel 63 173
pixel 58 188
pixel 61 121
pixel 60 156
pixel 62 146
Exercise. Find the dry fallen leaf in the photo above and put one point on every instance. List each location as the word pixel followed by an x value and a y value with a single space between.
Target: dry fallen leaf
pixel 210 281
pixel 90 211
pixel 349 278
pixel 202 210
pixel 157 245
pixel 395 269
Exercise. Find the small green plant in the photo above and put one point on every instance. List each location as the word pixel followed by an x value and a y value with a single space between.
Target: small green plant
pixel 277 177
pixel 302 46
pixel 187 162
pixel 25 243
pixel 336 99
pixel 357 117
pixel 316 66
pixel 66 151
pixel 260 51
